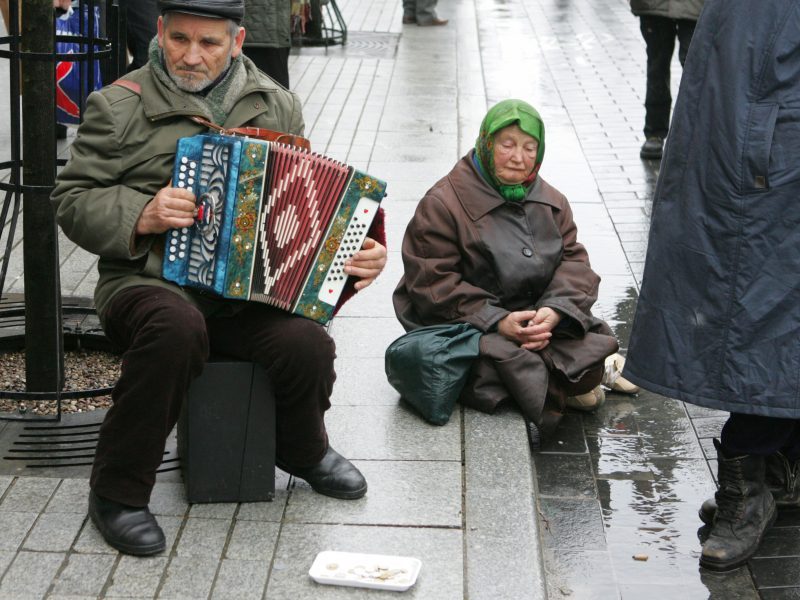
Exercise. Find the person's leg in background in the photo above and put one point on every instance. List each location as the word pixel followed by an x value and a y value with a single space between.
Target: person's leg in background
pixel 142 16
pixel 659 36
pixel 273 61
pixel 685 28
pixel 421 12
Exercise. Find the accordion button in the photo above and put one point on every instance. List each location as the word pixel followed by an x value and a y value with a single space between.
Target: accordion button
pixel 171 259
pixel 181 254
pixel 184 160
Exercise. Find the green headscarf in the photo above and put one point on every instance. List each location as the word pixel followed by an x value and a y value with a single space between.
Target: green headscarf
pixel 503 114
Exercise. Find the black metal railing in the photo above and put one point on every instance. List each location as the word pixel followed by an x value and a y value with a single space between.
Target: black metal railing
pixel 27 179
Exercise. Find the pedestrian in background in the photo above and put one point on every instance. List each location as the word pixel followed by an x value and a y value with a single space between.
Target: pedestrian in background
pixel 718 318
pixel 269 37
pixel 421 12
pixel 661 21
pixel 141 17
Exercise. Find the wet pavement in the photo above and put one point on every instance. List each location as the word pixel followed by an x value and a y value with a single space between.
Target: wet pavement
pixel 614 495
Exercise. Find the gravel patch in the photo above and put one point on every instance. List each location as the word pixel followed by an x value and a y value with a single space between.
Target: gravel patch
pixel 83 370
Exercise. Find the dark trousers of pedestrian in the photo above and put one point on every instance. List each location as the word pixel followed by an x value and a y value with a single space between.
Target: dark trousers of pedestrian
pixel 141 18
pixel 659 35
pixel 273 61
pixel 755 435
pixel 166 343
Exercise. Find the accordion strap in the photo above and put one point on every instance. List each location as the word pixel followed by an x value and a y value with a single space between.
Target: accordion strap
pixel 257 132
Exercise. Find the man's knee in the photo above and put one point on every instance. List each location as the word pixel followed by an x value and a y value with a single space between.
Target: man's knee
pixel 308 341
pixel 160 321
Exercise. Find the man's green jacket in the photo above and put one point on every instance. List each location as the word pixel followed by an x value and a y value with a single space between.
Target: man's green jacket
pixel 124 153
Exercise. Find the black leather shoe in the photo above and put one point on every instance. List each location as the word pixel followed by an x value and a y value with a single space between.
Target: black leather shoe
pixel 652 148
pixel 129 529
pixel 333 476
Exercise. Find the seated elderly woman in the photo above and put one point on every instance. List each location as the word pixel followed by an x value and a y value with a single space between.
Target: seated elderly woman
pixel 494 245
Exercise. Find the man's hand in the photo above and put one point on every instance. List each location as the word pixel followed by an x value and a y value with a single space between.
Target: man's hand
pixel 62 4
pixel 367 263
pixel 532 329
pixel 170 207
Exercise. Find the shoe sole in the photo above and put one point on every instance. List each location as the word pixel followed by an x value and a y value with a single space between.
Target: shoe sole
pixel 712 565
pixel 124 548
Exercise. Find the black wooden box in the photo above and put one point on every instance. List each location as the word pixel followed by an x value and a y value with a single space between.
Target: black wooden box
pixel 226 434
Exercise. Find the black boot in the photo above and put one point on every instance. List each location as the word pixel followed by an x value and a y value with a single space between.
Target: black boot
pixel 129 529
pixel 333 476
pixel 745 509
pixel 781 477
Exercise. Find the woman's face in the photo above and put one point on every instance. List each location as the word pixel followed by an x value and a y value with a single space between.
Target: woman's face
pixel 514 154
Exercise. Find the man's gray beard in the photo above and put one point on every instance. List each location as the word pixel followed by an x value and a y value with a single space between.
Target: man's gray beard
pixel 194 85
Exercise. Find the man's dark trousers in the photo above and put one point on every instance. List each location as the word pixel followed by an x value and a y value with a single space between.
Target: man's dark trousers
pixel 166 343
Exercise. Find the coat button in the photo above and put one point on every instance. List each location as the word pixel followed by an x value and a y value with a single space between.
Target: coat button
pixel 527 252
pixel 257 105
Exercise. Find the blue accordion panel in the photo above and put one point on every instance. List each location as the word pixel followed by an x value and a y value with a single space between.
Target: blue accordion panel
pixel 209 166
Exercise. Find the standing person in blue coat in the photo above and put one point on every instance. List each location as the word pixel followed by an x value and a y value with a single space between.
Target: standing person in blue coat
pixel 718 319
pixel 661 21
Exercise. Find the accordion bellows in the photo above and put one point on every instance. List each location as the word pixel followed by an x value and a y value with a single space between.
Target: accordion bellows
pixel 275 224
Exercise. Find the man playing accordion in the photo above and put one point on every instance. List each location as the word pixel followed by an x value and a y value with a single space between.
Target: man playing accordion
pixel 115 199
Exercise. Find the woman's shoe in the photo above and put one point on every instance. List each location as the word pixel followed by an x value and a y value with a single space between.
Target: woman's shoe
pixel 589 401
pixel 612 376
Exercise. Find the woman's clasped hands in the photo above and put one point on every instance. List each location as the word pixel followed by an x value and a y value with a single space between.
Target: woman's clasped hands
pixel 532 329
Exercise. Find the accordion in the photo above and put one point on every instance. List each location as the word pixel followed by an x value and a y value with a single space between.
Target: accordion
pixel 275 223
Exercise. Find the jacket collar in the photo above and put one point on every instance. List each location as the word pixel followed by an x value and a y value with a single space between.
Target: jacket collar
pixel 160 102
pixel 479 198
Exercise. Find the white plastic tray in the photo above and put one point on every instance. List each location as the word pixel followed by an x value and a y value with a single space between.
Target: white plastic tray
pixel 377 571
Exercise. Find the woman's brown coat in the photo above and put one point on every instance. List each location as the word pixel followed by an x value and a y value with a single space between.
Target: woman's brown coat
pixel 470 256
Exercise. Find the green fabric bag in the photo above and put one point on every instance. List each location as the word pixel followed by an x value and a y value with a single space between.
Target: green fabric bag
pixel 429 367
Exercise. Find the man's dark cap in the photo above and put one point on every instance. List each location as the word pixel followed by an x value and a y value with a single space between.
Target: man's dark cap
pixel 218 9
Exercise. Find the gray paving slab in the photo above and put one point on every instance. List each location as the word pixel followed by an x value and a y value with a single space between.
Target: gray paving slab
pixel 203 538
pixel 240 580
pixel 5 559
pixel 367 339
pixel 83 575
pixel 30 575
pixel 501 529
pixel 252 541
pixel 189 577
pixel 71 497
pixel 362 382
pixel 14 526
pixel 28 494
pixel 411 493
pixel 392 433
pixel 136 577
pixel 439 550
pixel 54 532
